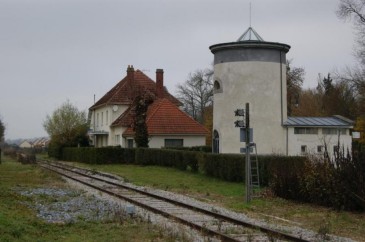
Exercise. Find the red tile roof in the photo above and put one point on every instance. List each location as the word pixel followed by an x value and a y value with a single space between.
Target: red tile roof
pixel 126 119
pixel 165 118
pixel 121 93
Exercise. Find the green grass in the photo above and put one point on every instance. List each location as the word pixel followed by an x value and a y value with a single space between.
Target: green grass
pixel 19 223
pixel 231 195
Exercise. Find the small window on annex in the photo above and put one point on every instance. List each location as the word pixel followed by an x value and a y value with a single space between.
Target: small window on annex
pixel 174 143
pixel 333 131
pixel 305 130
pixel 217 87
pixel 320 149
pixel 303 149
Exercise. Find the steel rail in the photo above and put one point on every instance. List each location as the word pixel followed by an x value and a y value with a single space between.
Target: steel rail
pixel 264 229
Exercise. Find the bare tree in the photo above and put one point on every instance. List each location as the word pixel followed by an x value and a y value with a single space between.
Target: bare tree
pixel 196 93
pixel 355 10
pixel 294 81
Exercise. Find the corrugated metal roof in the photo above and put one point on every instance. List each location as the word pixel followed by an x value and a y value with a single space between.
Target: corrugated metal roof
pixel 334 121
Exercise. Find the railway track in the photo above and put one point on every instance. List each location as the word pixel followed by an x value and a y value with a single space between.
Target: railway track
pixel 208 222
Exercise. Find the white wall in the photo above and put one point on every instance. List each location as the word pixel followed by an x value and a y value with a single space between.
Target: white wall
pixel 260 85
pixel 25 144
pixel 159 141
pixel 295 141
pixel 118 131
pixel 101 119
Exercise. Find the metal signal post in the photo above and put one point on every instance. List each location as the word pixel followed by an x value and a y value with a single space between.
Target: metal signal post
pixel 246 124
pixel 248 163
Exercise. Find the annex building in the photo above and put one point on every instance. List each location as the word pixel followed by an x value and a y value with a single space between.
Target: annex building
pixel 251 70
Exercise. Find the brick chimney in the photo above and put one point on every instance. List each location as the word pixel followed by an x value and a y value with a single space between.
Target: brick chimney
pixel 159 83
pixel 130 73
pixel 130 82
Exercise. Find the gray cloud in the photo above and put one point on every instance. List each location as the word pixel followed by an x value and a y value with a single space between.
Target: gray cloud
pixel 52 51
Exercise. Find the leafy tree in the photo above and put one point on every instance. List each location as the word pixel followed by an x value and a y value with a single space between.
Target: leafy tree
pixel 2 130
pixel 294 81
pixel 67 127
pixel 141 104
pixel 309 105
pixel 197 93
pixel 329 98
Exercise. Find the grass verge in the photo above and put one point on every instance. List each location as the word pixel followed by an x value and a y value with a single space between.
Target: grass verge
pixel 19 223
pixel 231 195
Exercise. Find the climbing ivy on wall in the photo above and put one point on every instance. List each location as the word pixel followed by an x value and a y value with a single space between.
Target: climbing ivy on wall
pixel 141 104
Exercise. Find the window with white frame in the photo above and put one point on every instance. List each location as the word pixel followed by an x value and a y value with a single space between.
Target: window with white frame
pixel 302 130
pixel 329 131
pixel 97 120
pixel 117 139
pixel 333 131
pixel 174 142
pixel 107 117
pixel 335 149
pixel 320 149
pixel 130 143
pixel 303 149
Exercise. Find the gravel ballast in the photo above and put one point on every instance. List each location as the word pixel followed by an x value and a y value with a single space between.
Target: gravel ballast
pixel 80 202
pixel 56 205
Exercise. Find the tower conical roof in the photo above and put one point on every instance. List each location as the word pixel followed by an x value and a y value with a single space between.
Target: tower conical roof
pixel 250 35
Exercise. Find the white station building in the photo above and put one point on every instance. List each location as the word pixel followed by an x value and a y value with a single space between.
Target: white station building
pixel 253 71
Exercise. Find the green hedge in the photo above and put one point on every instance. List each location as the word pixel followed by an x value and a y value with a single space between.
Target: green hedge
pixel 181 160
pixel 228 167
pixel 338 184
pixel 204 148
pixel 106 155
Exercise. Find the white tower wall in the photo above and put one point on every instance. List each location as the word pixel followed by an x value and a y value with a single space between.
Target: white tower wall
pixel 254 73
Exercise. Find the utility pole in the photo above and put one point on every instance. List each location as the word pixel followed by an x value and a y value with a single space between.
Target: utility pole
pixel 248 163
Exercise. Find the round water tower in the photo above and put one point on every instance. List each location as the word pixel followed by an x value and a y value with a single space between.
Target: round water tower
pixel 252 71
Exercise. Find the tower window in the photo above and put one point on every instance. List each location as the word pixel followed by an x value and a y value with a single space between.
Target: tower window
pixel 217 87
pixel 215 142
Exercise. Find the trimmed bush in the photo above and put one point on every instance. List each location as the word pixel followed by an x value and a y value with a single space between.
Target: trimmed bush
pixel 339 184
pixel 169 158
pixel 228 167
pixel 26 158
pixel 105 155
pixel 284 175
pixel 204 148
pixel 11 152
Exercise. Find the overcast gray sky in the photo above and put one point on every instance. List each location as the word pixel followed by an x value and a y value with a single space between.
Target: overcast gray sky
pixel 53 51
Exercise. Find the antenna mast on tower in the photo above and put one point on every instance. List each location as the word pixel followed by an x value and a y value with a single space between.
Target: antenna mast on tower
pixel 250 14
